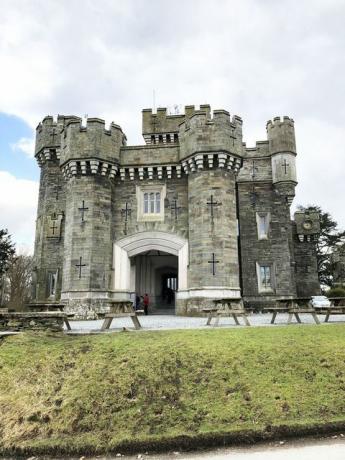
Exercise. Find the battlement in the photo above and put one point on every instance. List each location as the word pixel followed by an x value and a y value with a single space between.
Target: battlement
pixel 277 121
pixel 95 125
pixel 154 124
pixel 202 133
pixel 91 140
pixel 281 135
pixel 162 127
pixel 48 131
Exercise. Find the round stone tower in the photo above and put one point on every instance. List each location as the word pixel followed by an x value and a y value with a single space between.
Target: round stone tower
pixel 89 161
pixel 282 148
pixel 50 212
pixel 211 155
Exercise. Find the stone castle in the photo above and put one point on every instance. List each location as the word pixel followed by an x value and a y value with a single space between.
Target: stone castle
pixel 191 216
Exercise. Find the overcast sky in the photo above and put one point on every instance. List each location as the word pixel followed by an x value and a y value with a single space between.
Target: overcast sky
pixel 256 58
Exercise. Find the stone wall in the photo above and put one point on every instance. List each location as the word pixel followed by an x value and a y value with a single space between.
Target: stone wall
pixel 217 235
pixel 35 322
pixel 50 224
pixel 276 250
pixel 307 282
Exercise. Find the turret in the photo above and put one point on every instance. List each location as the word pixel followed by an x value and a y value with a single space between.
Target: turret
pixel 282 148
pixel 91 149
pixel 218 138
pixel 307 225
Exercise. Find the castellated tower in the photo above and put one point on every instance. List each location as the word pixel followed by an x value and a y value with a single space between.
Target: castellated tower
pixel 48 258
pixel 282 148
pixel 89 161
pixel 191 216
pixel 211 155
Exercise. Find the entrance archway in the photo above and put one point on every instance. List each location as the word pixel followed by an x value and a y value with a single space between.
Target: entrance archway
pixel 156 273
pixel 126 249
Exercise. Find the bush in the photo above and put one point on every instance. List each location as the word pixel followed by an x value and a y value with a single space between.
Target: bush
pixel 336 292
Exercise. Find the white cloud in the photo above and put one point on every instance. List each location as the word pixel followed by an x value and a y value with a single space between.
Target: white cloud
pixel 257 59
pixel 25 145
pixel 18 202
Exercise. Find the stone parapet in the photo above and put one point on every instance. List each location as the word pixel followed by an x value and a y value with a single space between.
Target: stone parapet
pixel 91 141
pixel 281 135
pixel 22 321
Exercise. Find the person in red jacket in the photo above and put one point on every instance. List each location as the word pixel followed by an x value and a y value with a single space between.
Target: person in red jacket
pixel 146 303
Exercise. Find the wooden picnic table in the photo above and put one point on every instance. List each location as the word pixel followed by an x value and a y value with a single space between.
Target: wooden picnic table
pixel 50 307
pixel 337 301
pixel 328 311
pixel 292 307
pixel 120 309
pixel 227 307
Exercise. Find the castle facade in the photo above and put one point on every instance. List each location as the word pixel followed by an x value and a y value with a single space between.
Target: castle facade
pixel 191 216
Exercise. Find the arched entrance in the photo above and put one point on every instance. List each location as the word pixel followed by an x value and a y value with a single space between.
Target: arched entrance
pixel 150 261
pixel 156 273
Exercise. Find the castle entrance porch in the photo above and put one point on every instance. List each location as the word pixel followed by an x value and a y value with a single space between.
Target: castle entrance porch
pixel 156 273
pixel 151 262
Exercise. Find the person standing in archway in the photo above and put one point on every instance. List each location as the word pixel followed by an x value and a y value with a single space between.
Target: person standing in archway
pixel 146 303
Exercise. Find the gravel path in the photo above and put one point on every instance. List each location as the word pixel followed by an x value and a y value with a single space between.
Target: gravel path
pixel 165 322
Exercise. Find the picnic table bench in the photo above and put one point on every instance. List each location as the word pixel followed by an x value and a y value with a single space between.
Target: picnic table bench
pixel 293 308
pixel 120 309
pixel 50 307
pixel 340 310
pixel 226 307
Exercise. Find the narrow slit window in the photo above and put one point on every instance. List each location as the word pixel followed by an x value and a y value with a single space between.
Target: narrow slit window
pixel 263 225
pixel 265 274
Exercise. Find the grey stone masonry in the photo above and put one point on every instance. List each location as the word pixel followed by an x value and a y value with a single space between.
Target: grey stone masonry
pixel 16 322
pixel 193 211
pixel 213 230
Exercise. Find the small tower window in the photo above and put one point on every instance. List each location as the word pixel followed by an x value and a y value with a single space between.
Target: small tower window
pixel 168 139
pixel 153 139
pixel 263 224
pixel 175 137
pixel 265 276
pixel 160 139
pixel 52 279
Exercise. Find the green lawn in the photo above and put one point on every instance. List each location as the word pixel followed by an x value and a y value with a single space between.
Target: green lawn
pixel 123 391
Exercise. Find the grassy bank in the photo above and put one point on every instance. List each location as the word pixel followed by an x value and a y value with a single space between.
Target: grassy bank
pixel 129 391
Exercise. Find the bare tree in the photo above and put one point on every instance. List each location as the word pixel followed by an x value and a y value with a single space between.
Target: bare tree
pixel 19 277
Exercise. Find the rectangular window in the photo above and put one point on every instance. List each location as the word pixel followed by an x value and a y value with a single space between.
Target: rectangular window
pixel 263 224
pixel 146 203
pixel 265 276
pixel 158 202
pixel 150 201
pixel 52 280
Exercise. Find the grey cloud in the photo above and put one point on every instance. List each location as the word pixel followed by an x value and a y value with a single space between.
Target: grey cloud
pixel 255 58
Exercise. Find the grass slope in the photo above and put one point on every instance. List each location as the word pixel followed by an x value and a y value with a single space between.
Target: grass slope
pixel 154 389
